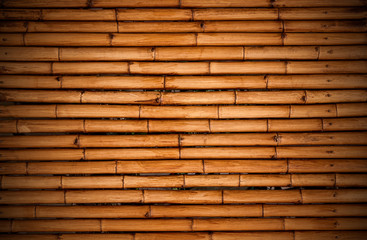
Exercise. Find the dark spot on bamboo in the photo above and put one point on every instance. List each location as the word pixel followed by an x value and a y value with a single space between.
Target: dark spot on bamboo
pixel 327 65
pixel 58 78
pixel 328 95
pixel 1 82
pixel 325 12
pixel 330 51
pixel 331 165
pixel 328 80
pixel 329 152
pixel 328 110
pixel 5 39
pixel 303 98
pixel 317 49
pixel 330 123
pixel 112 36
pixel 146 214
pixel 326 38
pixel 2 98
pixel 5 53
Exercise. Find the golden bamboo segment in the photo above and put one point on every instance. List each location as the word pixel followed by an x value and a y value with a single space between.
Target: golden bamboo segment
pixel 132 153
pixel 350 180
pixel 325 224
pixel 28 54
pixel 324 210
pixel 310 111
pixel 191 125
pixel 41 154
pixel 9 126
pixel 255 180
pixel 197 53
pixel 69 39
pixel 153 39
pixel 211 181
pixel 96 111
pixel 154 15
pixel 22 81
pixel 41 96
pixel 31 197
pixel 183 197
pixel 323 180
pixel 318 235
pixel 38 111
pixel 25 68
pixel 103 196
pixel 351 110
pixel 332 138
pixel 159 27
pixel 248 125
pixel 12 26
pixel 92 182
pixel 107 54
pixel 215 82
pixel 247 67
pixel 327 165
pixel 77 15
pixel 178 112
pixel 279 111
pixel 90 67
pixel 135 3
pixel 261 196
pixel 169 68
pixel 92 211
pixel 115 126
pixel 294 125
pixel 245 166
pixel 113 82
pixel 318 67
pixel 330 81
pixel 322 152
pixel 240 26
pixel 337 196
pixel 343 124
pixel 231 3
pixel 325 38
pixel 316 13
pixel 336 96
pixel 192 98
pixel 249 235
pixel 160 166
pixel 228 152
pixel 238 39
pixel 153 181
pixel 70 225
pixel 270 97
pixel 13 168
pixel 11 39
pixel 233 224
pixel 95 167
pixel 71 27
pixel 271 53
pixel 175 235
pixel 325 26
pixel 20 14
pixel 35 182
pixel 17 211
pixel 146 225
pixel 347 52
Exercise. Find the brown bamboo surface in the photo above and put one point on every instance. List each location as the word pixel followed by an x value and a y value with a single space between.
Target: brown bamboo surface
pixel 183 119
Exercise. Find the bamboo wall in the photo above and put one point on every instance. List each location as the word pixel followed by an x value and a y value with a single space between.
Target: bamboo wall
pixel 183 119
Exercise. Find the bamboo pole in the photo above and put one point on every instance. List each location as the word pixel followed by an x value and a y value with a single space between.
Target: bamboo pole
pixel 261 196
pixel 44 96
pixel 95 167
pixel 146 225
pixel 135 3
pixel 311 111
pixel 248 67
pixel 25 68
pixel 318 235
pixel 97 111
pixel 167 235
pixel 322 152
pixel 67 39
pixel 31 197
pixel 313 210
pixel 236 139
pixel 215 82
pixel 159 27
pixel 283 53
pixel 71 27
pixel 192 98
pixel 334 196
pixel 245 166
pixel 59 225
pixel 20 14
pixel 238 39
pixel 35 182
pixel 77 15
pixel 278 111
pixel 325 38
pixel 303 67
pixel 17 211
pixel 316 13
pixel 211 181
pixel 24 111
pixel 11 39
pixel 351 110
pixel 327 165
pixel 28 54
pixel 326 26
pixel 13 26
pixel 115 125
pixel 41 154
pixel 154 14
pixel 191 125
pixel 336 96
pixel 46 126
pixel 13 168
pixel 330 81
pixel 154 181
pixel 198 53
pixel 231 3
pixel 169 68
pixel 261 180
pixel 90 67
pixel 237 224
pixel 183 197
pixel 103 196
pixel 325 224
pixel 238 125
pixel 270 97
pixel 342 124
pixel 254 235
pixel 178 112
pixel 92 211
pixel 107 54
pixel 332 138
pixel 113 82
pixel 241 26
pixel 154 39
pixel 227 152
pixel 294 125
pixel 132 153
pixel 92 182
pixel 321 180
pixel 8 126
pixel 27 81
pixel 350 180
pixel 160 166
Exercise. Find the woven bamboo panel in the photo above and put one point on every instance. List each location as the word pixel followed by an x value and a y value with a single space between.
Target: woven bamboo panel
pixel 183 119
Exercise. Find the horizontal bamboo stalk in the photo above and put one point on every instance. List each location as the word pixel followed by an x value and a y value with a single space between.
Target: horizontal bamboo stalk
pixel 41 154
pixel 233 224
pixel 146 225
pixel 351 110
pixel 318 235
pixel 332 138
pixel 238 39
pixel 103 196
pixel 70 225
pixel 28 54
pixel 325 26
pixel 115 126
pixel 99 111
pixel 322 152
pixel 261 196
pixel 169 68
pixel 342 124
pixel 267 3
pixel 335 96
pixel 153 181
pixel 324 210
pixel 178 112
pixel 13 168
pixel 248 125
pixel 96 167
pixel 323 180
pixel 31 197
pixel 17 211
pixel 11 39
pixel 261 235
pixel 71 27
pixel 240 26
pixel 191 125
pixel 25 68
pixel 245 166
pixel 235 14
pixel 198 53
pixel 84 4
pixel 327 165
pixel 183 197
pixel 330 81
pixel 338 196
pixel 33 182
pixel 20 14
pixel 132 153
pixel 211 181
pixel 354 180
pixel 278 111
pixel 154 14
pixel 324 38
pixel 303 67
pixel 294 125
pixel 314 13
pixel 227 152
pixel 160 27
pixel 160 166
pixel 311 111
